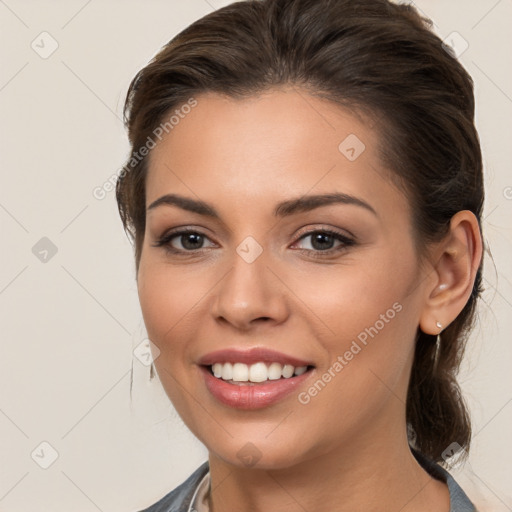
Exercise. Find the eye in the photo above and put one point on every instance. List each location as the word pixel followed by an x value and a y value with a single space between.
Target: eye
pixel 183 241
pixel 324 240
pixel 321 242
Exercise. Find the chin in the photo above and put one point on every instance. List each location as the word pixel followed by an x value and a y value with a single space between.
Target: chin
pixel 260 452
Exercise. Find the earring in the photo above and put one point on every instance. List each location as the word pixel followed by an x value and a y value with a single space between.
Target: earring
pixel 439 325
pixel 438 349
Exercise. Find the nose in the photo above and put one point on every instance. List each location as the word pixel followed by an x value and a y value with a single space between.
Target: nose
pixel 249 295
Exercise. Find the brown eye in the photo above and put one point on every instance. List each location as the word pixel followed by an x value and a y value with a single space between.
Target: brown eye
pixel 325 240
pixel 183 241
pixel 190 241
pixel 322 241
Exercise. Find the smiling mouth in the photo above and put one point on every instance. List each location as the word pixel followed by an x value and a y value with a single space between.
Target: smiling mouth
pixel 257 373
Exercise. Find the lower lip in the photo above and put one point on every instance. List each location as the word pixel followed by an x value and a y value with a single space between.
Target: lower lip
pixel 251 395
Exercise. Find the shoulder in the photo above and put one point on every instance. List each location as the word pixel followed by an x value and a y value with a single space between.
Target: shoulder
pixel 179 499
pixel 459 501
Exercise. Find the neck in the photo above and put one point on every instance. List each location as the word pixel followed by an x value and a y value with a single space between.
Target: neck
pixel 368 475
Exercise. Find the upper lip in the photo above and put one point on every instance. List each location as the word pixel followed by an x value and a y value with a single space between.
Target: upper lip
pixel 251 356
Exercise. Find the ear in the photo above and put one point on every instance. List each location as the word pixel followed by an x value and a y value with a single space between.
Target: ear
pixel 455 262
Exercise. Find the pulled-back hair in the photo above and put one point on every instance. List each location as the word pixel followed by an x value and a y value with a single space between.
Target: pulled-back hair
pixel 370 56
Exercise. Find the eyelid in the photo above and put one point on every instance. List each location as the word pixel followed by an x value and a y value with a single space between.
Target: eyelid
pixel 345 233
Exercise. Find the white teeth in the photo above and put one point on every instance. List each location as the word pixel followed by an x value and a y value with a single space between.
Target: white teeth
pixel 227 371
pixel 240 372
pixel 257 372
pixel 288 370
pixel 217 370
pixel 300 370
pixel 274 371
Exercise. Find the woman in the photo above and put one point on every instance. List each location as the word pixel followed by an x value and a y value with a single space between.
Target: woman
pixel 305 195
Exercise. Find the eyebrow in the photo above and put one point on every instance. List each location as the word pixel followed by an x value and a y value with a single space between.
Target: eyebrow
pixel 283 209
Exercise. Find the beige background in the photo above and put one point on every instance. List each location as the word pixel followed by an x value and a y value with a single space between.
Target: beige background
pixel 69 325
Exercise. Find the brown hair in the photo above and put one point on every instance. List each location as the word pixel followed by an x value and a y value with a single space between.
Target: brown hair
pixel 371 56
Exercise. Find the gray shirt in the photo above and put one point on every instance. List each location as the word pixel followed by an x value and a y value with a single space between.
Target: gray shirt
pixel 191 495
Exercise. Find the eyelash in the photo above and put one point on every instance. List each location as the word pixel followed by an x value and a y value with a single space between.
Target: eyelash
pixel 346 242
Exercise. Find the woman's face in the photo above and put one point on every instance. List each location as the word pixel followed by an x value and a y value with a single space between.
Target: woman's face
pixel 272 273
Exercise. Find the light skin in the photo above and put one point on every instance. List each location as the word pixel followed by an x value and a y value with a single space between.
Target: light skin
pixel 347 448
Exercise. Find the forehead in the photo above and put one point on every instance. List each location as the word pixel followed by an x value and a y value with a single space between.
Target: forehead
pixel 284 142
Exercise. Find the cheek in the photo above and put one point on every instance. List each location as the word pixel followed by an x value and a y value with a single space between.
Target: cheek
pixel 168 298
pixel 369 313
pixel 351 297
